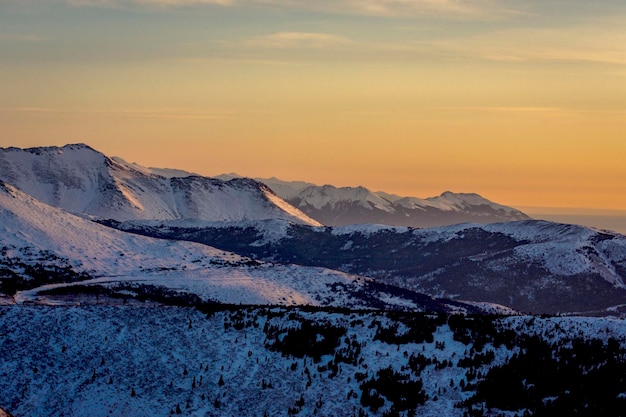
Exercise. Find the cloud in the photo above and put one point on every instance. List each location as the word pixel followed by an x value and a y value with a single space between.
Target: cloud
pixel 288 48
pixel 411 7
pixel 173 113
pixel 476 9
pixel 283 40
pixel 503 109
pixel 388 8
pixel 156 3
pixel 185 2
pixel 591 44
pixel 582 44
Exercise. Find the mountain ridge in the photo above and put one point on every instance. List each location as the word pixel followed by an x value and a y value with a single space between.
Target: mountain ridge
pixel 45 248
pixel 534 266
pixel 341 206
pixel 80 179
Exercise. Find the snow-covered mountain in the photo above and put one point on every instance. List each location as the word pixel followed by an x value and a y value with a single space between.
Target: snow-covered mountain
pixel 357 205
pixel 340 206
pixel 44 247
pixel 80 179
pixel 533 266
pixel 286 189
pixel 163 172
pixel 317 340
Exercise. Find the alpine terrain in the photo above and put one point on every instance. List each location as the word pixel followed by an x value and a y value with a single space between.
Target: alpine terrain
pixel 80 179
pixel 341 206
pixel 136 291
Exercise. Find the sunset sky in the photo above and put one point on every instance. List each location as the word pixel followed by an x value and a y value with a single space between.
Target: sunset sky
pixel 523 102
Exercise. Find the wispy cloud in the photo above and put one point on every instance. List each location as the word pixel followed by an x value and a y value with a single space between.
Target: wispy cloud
pixel 388 8
pixel 174 113
pixel 591 44
pixel 279 48
pixel 502 109
pixel 296 40
pixel 518 109
pixel 582 44
pixel 161 3
pixel 412 7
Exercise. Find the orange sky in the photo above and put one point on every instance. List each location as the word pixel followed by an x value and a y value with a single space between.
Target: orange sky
pixel 521 102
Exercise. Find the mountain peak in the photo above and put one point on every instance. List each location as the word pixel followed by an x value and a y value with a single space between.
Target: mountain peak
pixel 40 150
pixel 79 179
pixel 340 206
pixel 449 194
pixel 461 201
pixel 329 197
pixel 78 147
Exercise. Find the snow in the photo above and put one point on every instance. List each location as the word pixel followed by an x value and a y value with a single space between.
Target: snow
pixel 265 285
pixel 272 230
pixel 449 201
pixel 288 208
pixel 567 249
pixel 367 229
pixel 328 195
pixel 541 230
pixel 285 189
pixel 29 228
pixel 27 222
pixel 561 249
pixel 88 361
pixel 320 197
pixel 57 358
pixel 163 172
pixel 81 180
pixel 492 308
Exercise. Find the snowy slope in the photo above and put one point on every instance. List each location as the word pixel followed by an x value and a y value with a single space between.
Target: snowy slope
pixel 26 222
pixel 163 172
pixel 449 201
pixel 341 206
pixel 331 197
pixel 285 189
pixel 533 266
pixel 81 180
pixel 139 361
pixel 33 233
pixel 565 249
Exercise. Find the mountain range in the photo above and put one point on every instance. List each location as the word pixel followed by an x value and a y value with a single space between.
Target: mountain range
pixel 45 248
pixel 82 180
pixel 531 266
pixel 127 290
pixel 341 206
pixel 60 205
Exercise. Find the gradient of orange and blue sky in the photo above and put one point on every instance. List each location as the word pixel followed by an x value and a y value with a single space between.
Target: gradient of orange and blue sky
pixel 523 102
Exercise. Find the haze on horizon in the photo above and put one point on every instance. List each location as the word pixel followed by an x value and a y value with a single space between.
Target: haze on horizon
pixel 523 102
